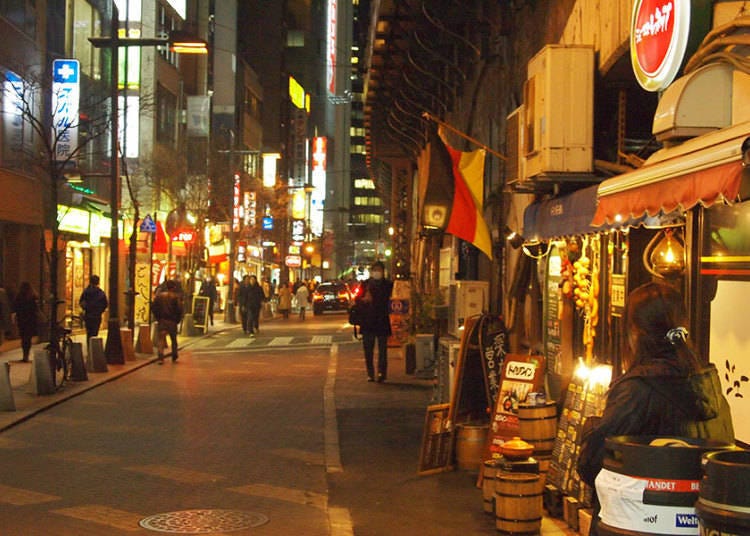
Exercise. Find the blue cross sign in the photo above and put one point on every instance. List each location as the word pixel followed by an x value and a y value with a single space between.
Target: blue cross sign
pixel 66 92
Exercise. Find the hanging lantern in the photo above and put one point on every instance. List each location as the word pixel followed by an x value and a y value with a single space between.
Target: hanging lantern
pixel 667 257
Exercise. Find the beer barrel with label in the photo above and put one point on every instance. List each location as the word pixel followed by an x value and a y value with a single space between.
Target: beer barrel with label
pixel 649 484
pixel 723 505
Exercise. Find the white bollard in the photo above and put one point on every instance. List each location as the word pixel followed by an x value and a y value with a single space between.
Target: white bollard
pixel 6 390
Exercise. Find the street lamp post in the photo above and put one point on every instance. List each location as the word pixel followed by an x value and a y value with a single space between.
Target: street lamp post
pixel 113 347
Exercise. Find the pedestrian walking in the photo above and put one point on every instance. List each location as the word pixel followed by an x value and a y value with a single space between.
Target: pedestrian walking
pixel 375 326
pixel 208 289
pixel 285 300
pixel 251 298
pixel 665 389
pixel 94 302
pixel 303 296
pixel 167 308
pixel 26 306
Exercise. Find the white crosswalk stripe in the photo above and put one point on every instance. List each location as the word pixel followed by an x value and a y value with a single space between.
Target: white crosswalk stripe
pixel 202 343
pixel 242 342
pixel 322 339
pixel 280 341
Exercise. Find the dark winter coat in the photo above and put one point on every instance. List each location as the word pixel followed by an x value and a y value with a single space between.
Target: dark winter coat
pixel 27 315
pixel 167 309
pixel 656 399
pixel 251 297
pixel 374 302
pixel 94 302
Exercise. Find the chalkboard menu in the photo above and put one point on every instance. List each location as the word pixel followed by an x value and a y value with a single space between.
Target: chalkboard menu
pixel 200 312
pixel 492 347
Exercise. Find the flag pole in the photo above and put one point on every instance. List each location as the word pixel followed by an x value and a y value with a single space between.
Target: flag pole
pixel 465 136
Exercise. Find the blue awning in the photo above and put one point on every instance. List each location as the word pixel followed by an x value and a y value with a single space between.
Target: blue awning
pixel 562 216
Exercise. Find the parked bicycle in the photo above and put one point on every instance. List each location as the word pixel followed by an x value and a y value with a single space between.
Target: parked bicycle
pixel 59 353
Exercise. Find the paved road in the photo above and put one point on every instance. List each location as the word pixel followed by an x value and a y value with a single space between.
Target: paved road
pixel 278 436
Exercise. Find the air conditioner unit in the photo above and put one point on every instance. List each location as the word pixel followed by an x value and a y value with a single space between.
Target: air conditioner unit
pixel 448 348
pixel 514 146
pixel 559 111
pixel 466 298
pixel 424 353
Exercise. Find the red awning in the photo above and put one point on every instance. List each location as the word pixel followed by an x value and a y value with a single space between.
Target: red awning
pixel 703 170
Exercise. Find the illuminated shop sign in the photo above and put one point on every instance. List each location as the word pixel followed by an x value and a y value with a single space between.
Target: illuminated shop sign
pixel 331 52
pixel 236 205
pixel 317 197
pixel 659 33
pixel 297 94
pixel 183 236
pixel 66 91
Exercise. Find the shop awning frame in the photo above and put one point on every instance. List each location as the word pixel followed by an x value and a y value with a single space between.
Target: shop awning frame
pixel 706 169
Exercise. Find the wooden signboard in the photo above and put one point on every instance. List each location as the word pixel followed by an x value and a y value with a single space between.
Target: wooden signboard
pixel 200 312
pixel 469 402
pixel 437 439
pixel 522 374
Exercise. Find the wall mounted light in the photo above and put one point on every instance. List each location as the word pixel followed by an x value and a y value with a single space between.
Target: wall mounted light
pixel 513 238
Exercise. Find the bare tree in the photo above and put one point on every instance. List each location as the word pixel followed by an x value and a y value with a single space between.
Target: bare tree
pixel 51 144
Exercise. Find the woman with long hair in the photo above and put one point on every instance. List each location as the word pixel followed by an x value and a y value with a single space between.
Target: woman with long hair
pixel 665 389
pixel 26 308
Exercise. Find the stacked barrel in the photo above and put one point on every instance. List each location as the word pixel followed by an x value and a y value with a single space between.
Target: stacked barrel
pixel 537 422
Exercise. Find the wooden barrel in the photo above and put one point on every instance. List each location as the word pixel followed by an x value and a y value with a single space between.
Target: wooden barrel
pixel 470 441
pixel 538 425
pixel 518 503
pixel 723 505
pixel 488 486
pixel 649 485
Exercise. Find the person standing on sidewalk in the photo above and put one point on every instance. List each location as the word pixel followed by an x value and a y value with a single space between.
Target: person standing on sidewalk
pixel 167 309
pixel 303 296
pixel 26 307
pixel 285 300
pixel 374 300
pixel 94 302
pixel 251 300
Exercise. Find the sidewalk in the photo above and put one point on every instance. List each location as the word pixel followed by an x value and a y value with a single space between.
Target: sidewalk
pixel 29 404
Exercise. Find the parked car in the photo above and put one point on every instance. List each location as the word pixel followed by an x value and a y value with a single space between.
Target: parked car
pixel 331 296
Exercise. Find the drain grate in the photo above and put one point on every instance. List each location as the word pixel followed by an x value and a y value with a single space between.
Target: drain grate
pixel 203 521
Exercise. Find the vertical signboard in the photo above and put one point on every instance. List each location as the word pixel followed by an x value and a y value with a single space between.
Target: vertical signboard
pixel 317 198
pixel 65 96
pixel 331 52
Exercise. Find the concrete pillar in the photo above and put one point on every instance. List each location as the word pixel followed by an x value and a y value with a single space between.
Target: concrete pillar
pixel 40 378
pixel 78 372
pixel 96 361
pixel 144 344
pixel 126 336
pixel 6 390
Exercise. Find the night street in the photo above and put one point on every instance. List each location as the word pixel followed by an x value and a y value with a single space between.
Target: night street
pixel 238 428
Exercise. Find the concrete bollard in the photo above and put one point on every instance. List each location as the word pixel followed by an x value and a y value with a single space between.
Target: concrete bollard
pixel 6 390
pixel 78 367
pixel 126 338
pixel 188 326
pixel 144 344
pixel 96 361
pixel 40 377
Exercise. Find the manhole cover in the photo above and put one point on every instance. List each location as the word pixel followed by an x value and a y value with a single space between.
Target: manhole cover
pixel 203 521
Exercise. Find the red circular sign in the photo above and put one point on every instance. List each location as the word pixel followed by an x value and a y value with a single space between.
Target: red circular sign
pixel 658 39
pixel 654 30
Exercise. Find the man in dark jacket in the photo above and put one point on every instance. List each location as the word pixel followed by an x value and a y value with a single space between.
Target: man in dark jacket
pixel 374 302
pixel 167 309
pixel 251 298
pixel 93 302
